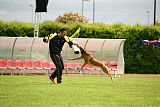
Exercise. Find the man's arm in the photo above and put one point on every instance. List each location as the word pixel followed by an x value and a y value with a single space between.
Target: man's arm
pixel 49 37
pixel 68 40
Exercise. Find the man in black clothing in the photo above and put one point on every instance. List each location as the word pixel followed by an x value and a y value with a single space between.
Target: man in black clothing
pixel 56 42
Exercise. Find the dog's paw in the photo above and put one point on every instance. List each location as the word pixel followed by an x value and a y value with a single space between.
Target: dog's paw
pixel 112 80
pixel 70 58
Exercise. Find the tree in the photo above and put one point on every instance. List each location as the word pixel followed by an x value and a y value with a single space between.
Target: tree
pixel 72 17
pixel 157 23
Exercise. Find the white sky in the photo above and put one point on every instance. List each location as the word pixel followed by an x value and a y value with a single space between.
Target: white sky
pixel 106 11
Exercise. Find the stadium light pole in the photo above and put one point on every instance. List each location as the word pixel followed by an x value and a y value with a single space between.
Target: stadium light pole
pixel 154 12
pixel 32 13
pixel 82 6
pixel 148 16
pixel 93 10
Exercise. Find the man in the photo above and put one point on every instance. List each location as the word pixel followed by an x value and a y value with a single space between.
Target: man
pixel 56 42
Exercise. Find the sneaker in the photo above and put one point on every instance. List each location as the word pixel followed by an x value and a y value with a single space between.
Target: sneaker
pixel 52 79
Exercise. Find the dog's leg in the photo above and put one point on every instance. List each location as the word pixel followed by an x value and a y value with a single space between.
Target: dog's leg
pixel 83 65
pixel 75 58
pixel 105 70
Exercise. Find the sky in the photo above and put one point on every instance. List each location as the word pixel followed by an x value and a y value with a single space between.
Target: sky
pixel 128 12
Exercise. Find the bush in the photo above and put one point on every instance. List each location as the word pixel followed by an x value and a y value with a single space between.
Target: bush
pixel 3 27
pixel 15 29
pixel 138 59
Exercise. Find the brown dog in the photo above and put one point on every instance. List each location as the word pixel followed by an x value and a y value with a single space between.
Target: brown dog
pixel 89 59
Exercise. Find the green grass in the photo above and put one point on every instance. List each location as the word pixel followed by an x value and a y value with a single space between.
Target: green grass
pixel 37 91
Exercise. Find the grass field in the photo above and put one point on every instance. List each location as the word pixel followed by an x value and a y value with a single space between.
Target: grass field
pixel 37 91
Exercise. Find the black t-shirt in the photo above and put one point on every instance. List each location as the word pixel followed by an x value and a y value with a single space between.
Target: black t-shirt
pixel 56 45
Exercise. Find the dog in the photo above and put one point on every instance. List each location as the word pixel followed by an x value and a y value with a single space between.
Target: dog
pixel 89 59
